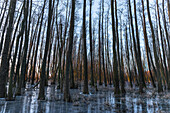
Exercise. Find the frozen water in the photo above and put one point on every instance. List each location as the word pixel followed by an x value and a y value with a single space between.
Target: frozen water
pixel 103 101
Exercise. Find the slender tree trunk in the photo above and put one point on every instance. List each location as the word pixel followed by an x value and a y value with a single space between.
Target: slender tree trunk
pixel 107 40
pixel 23 64
pixel 85 89
pixel 4 68
pixel 133 59
pixel 14 35
pixel 10 93
pixel 137 48
pixel 139 62
pixel 115 68
pixel 3 33
pixel 100 79
pixel 128 58
pixel 49 53
pixel 163 50
pixel 103 58
pixel 31 41
pixel 41 95
pixel 37 45
pixel 72 84
pixel 160 89
pixel 121 66
pixel 147 45
pixel 64 47
pixel 90 33
pixel 2 18
pixel 168 5
pixel 168 51
pixel 19 62
pixel 67 96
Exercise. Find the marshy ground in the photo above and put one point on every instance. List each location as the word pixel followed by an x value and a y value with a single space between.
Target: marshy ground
pixel 102 101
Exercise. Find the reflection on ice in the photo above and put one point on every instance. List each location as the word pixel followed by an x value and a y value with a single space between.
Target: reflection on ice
pixel 101 101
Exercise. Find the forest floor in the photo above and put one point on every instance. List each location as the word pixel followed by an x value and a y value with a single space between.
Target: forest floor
pixel 102 101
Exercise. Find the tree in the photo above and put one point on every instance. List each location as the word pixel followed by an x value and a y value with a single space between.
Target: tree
pixel 85 89
pixel 4 68
pixel 2 18
pixel 160 89
pixel 147 45
pixel 115 68
pixel 24 59
pixel 67 96
pixel 41 95
pixel 90 33
pixel 10 93
pixel 121 64
pixel 100 81
pixel 168 5
pixel 165 57
pixel 137 47
pixel 103 58
pixel 3 14
pixel 128 58
pixel 37 44
pixel 163 50
pixel 138 53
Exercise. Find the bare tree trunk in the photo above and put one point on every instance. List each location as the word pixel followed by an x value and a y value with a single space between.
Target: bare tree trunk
pixel 139 62
pixel 37 45
pixel 147 45
pixel 85 88
pixel 160 89
pixel 128 58
pixel 23 66
pixel 107 49
pixel 3 33
pixel 14 35
pixel 100 81
pixel 121 66
pixel 67 96
pixel 103 58
pixel 163 50
pixel 49 53
pixel 72 84
pixel 4 68
pixel 2 18
pixel 115 62
pixel 168 5
pixel 10 93
pixel 64 47
pixel 133 59
pixel 31 41
pixel 168 39
pixel 90 33
pixel 41 95
pixel 137 48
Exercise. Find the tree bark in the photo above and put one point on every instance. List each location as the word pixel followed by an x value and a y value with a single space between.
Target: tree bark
pixel 41 95
pixel 147 45
pixel 103 57
pixel 90 33
pixel 115 62
pixel 100 79
pixel 67 96
pixel 85 88
pixel 160 89
pixel 37 45
pixel 4 69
